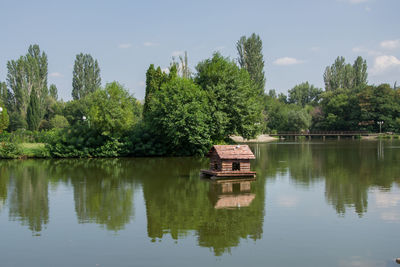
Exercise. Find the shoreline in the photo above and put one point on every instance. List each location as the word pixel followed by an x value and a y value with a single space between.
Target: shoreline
pixel 263 138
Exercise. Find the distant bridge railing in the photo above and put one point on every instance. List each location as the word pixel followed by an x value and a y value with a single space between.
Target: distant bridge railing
pixel 321 133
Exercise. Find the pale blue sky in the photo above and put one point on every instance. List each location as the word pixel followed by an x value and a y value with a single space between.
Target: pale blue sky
pixel 300 38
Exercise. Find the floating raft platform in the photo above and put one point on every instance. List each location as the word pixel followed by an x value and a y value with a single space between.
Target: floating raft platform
pixel 228 174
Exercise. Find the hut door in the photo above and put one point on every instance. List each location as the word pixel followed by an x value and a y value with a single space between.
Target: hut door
pixel 235 166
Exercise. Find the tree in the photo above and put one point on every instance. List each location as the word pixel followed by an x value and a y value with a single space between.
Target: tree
pixel 4 119
pixel 112 111
pixel 182 66
pixel 36 70
pixel 33 113
pixel 341 110
pixel 27 74
pixel 53 91
pixel 58 122
pixel 16 79
pixel 86 76
pixel 251 59
pixel 7 97
pixel 155 78
pixel 236 107
pixel 360 71
pixel 304 94
pixel 179 117
pixel 345 76
pixel 379 103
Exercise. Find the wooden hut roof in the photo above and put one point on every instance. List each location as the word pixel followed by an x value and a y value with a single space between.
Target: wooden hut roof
pixel 233 151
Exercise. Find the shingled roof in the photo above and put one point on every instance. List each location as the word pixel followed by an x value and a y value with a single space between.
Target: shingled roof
pixel 233 152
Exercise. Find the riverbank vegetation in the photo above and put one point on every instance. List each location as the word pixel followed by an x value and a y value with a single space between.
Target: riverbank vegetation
pixel 184 112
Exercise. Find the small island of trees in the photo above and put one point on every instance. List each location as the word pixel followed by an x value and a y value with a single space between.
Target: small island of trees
pixel 184 113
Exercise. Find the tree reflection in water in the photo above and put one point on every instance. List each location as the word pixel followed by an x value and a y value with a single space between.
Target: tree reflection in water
pixel 179 203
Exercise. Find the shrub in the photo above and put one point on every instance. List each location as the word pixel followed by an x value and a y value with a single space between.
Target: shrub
pixel 9 150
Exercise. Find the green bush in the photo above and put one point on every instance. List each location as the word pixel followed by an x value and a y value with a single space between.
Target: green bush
pixel 9 150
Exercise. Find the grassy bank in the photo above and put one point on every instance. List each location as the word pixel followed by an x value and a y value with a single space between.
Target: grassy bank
pixel 34 150
pixel 23 150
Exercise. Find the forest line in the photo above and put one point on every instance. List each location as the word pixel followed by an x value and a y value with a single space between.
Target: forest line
pixel 184 111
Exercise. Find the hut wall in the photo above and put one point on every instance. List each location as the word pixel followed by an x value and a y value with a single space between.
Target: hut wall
pixel 244 164
pixel 215 160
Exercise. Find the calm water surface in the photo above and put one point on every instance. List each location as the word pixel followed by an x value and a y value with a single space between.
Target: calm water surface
pixel 313 204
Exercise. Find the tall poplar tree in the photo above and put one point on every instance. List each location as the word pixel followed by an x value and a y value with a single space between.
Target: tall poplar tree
pixel 86 76
pixel 7 97
pixel 345 76
pixel 53 91
pixel 154 79
pixel 27 74
pixel 33 112
pixel 251 59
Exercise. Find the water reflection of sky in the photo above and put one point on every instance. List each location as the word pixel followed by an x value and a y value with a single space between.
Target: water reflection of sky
pixel 319 205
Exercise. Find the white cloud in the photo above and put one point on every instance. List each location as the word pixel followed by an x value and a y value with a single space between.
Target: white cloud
pixel 177 53
pixel 56 74
pixel 357 1
pixel 124 46
pixel 384 63
pixel 285 61
pixel 148 44
pixel 370 52
pixel 368 9
pixel 390 44
pixel 354 2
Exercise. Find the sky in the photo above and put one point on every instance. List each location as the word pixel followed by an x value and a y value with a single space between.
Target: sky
pixel 300 38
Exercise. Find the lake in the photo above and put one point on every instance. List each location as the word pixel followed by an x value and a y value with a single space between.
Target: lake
pixel 332 203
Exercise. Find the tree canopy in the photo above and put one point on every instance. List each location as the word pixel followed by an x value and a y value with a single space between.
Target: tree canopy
pixel 251 59
pixel 86 76
pixel 235 105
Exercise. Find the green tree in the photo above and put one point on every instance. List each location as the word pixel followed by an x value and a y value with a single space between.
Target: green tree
pixel 4 119
pixel 235 106
pixel 251 59
pixel 36 69
pixel 341 110
pixel 16 79
pixel 27 74
pixel 112 111
pixel 179 116
pixel 58 122
pixel 379 103
pixel 304 94
pixel 7 97
pixel 360 71
pixel 33 113
pixel 86 76
pixel 53 91
pixel 345 76
pixel 155 78
pixel 298 120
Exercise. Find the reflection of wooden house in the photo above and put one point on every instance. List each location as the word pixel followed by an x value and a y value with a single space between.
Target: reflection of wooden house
pixel 229 194
pixel 230 161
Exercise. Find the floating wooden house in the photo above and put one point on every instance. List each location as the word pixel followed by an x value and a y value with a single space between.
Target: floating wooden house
pixel 230 161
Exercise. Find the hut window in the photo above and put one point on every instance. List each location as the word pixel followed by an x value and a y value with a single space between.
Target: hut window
pixel 215 166
pixel 235 166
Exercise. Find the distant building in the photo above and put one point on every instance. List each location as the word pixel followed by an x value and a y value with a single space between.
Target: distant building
pixel 230 161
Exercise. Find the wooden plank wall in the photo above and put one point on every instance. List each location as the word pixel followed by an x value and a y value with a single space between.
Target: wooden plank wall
pixel 244 165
